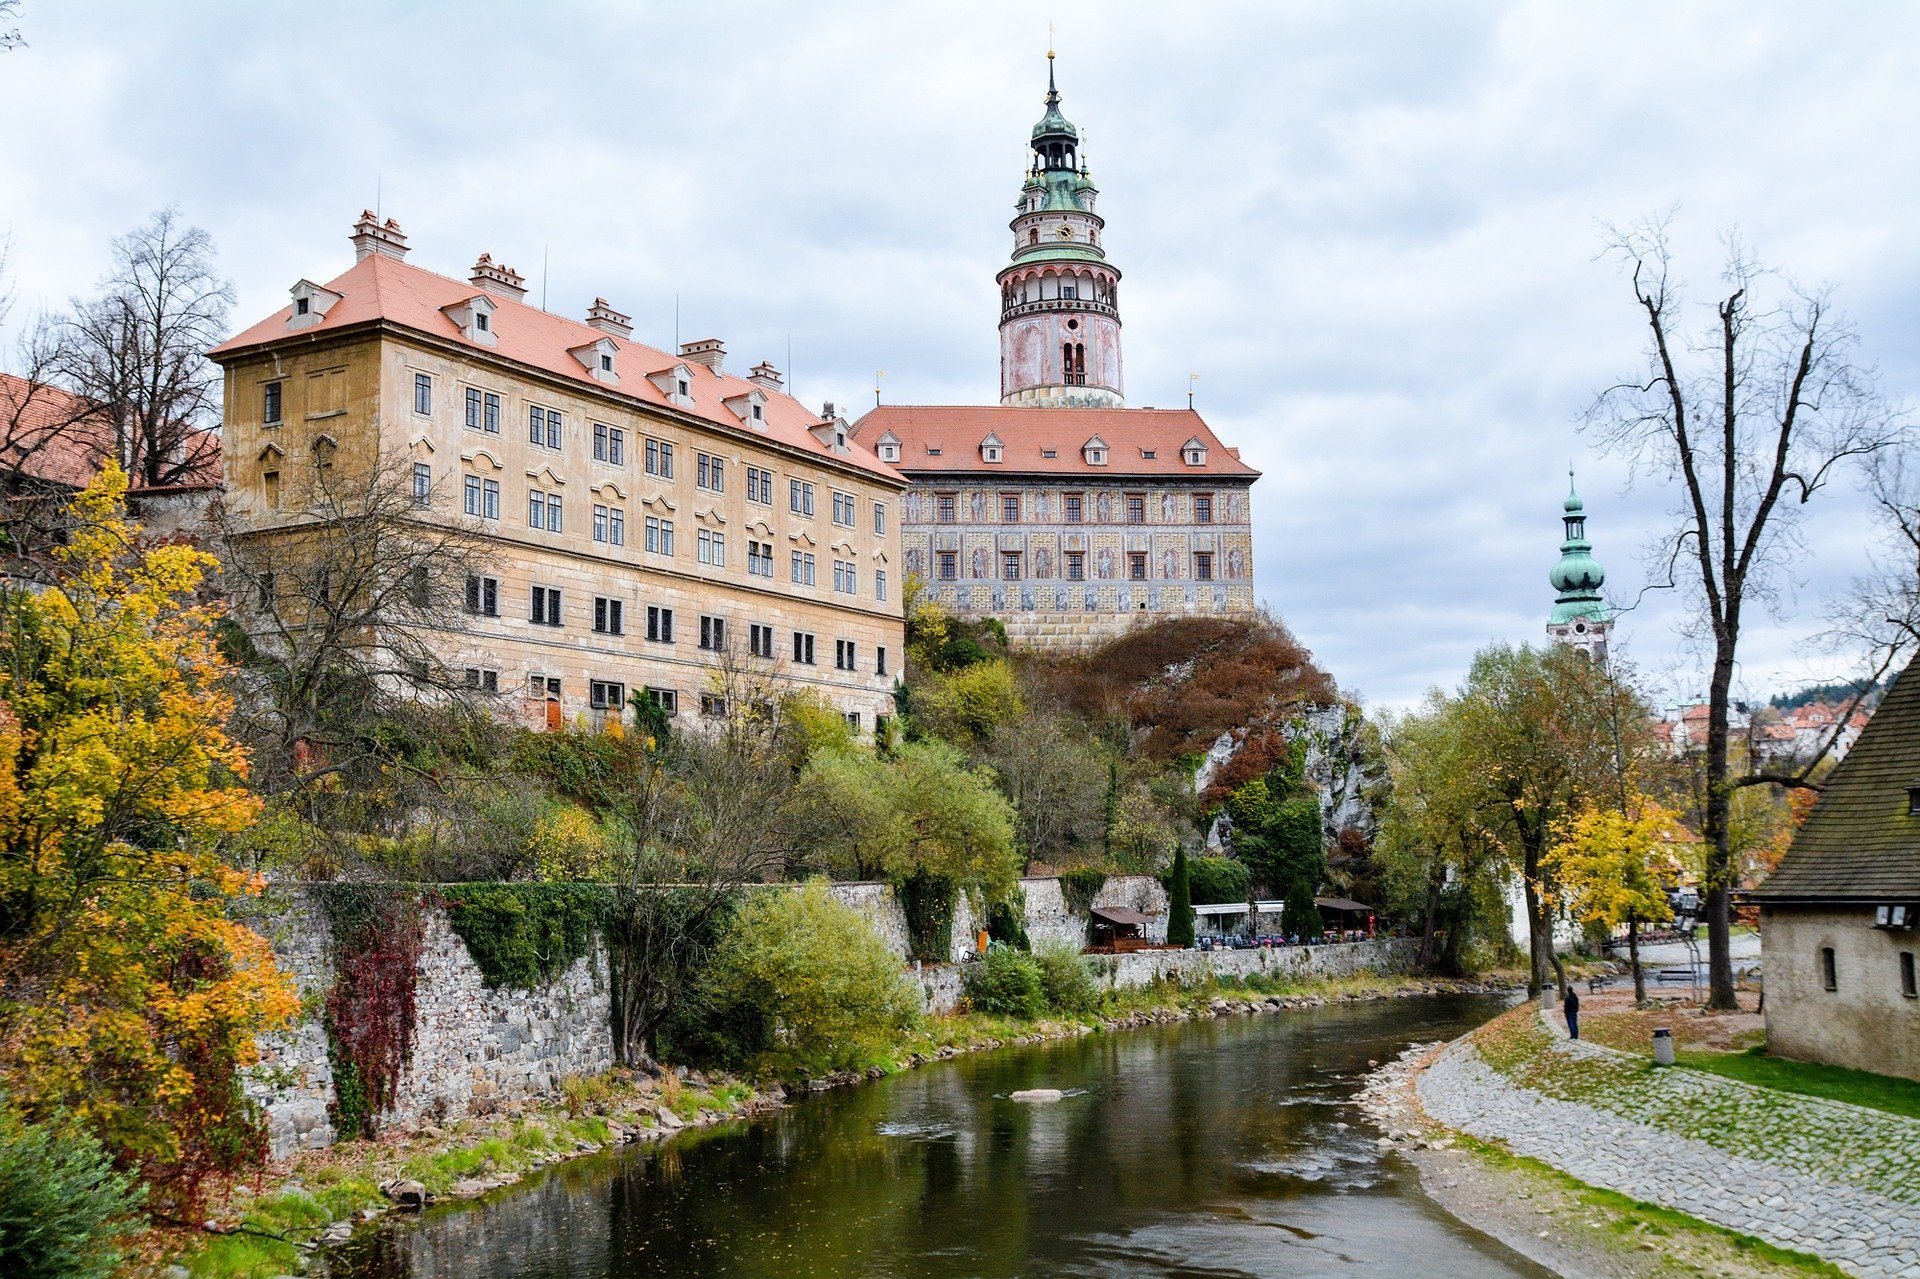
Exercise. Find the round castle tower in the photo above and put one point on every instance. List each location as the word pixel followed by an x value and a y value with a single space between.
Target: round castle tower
pixel 1059 310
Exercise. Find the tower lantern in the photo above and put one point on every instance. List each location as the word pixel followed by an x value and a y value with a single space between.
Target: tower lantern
pixel 1059 308
pixel 1580 618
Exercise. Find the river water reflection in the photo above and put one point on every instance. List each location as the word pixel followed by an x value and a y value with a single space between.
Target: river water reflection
pixel 1214 1148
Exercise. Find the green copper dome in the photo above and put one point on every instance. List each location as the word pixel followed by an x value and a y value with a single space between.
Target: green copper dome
pixel 1578 576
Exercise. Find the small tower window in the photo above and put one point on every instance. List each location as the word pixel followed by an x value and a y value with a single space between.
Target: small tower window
pixel 1913 801
pixel 482 321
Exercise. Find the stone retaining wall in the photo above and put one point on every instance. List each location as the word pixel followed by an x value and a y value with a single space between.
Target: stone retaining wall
pixel 475 1049
pixel 940 984
pixel 1048 918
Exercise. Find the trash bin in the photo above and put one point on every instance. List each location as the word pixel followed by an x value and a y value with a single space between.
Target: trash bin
pixel 1662 1046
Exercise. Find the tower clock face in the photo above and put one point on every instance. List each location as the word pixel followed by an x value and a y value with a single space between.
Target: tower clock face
pixel 1066 233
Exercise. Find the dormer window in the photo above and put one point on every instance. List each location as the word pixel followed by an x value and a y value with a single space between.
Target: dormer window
pixel 1194 453
pixel 1149 454
pixel 676 383
pixel 990 448
pixel 749 407
pixel 597 358
pixel 474 316
pixel 889 447
pixel 310 304
pixel 1095 451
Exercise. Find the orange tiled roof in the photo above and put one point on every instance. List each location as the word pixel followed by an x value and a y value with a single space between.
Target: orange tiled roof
pixel 1029 434
pixel 50 434
pixel 61 438
pixel 384 288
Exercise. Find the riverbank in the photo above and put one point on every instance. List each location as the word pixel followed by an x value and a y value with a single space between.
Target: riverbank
pixel 314 1200
pixel 1650 1171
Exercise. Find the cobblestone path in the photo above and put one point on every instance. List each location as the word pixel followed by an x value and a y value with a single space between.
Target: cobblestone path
pixel 1818 1176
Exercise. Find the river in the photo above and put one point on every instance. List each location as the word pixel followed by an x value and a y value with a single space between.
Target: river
pixel 1208 1148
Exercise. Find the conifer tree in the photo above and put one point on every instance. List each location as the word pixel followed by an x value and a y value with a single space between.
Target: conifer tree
pixel 1180 902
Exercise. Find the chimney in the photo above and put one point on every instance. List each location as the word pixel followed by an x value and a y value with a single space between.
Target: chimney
pixel 826 412
pixel 707 351
pixel 371 237
pixel 603 317
pixel 498 278
pixel 765 375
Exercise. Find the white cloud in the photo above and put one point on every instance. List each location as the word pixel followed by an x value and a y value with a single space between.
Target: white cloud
pixel 1370 228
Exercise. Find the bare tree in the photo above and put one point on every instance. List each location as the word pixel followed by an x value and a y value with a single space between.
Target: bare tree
pixel 705 812
pixel 1752 418
pixel 50 439
pixel 138 350
pixel 348 595
pixel 1881 615
pixel 10 37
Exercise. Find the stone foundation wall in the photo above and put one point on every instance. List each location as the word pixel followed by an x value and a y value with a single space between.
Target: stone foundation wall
pixel 1048 919
pixel 941 987
pixel 475 1049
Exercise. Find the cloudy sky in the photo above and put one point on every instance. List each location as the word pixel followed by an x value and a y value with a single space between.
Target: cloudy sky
pixel 1372 229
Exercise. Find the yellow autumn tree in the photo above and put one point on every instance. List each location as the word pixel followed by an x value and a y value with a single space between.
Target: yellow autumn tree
pixel 1610 866
pixel 129 995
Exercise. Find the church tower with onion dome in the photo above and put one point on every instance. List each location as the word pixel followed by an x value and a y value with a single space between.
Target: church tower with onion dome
pixel 1059 310
pixel 1580 618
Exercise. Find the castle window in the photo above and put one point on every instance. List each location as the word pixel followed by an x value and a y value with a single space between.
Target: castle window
pixel 422 393
pixel 1076 566
pixel 1009 566
pixel 1070 292
pixel 1203 565
pixel 546 606
pixel 1829 974
pixel 1203 508
pixel 270 404
pixel 1009 508
pixel 422 484
pixel 949 565
pixel 606 695
pixel 1136 566
pixel 1913 801
pixel 1136 508
pixel 609 616
pixel 944 504
pixel 1073 509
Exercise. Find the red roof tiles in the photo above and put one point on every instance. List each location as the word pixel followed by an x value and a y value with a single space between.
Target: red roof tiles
pixel 1029 435
pixel 61 438
pixel 383 288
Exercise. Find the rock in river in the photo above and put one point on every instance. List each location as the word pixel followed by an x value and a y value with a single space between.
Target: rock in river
pixel 1036 1094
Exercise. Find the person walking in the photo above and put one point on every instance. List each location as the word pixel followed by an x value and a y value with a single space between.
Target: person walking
pixel 1573 1013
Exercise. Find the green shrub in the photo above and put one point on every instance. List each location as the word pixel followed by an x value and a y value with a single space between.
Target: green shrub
pixel 1007 921
pixel 1217 879
pixel 1006 984
pixel 1066 982
pixel 63 1209
pixel 807 985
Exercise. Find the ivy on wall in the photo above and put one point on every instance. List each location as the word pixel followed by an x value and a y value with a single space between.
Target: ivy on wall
pixel 928 902
pixel 525 935
pixel 377 932
pixel 1080 886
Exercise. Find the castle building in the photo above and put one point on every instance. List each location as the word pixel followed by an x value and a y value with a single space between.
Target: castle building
pixel 1060 511
pixel 643 517
pixel 1580 618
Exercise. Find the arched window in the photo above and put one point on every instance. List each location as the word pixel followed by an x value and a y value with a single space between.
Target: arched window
pixel 1033 235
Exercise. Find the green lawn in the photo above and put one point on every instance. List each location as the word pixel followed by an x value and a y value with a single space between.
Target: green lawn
pixel 1836 1083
